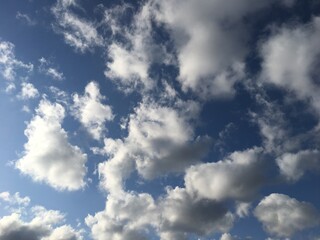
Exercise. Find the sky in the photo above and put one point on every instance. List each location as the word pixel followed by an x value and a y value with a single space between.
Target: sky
pixel 160 120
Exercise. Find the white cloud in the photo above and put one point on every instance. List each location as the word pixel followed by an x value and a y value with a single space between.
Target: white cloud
pixel 91 112
pixel 290 60
pixel 226 236
pixel 14 199
pixel 131 59
pixel 182 214
pixel 294 165
pixel 77 32
pixel 28 91
pixel 160 140
pixel 8 62
pixel 46 68
pixel 210 40
pixel 124 218
pixel 48 156
pixel 25 18
pixel 43 224
pixel 284 216
pixel 238 177
pixel 242 209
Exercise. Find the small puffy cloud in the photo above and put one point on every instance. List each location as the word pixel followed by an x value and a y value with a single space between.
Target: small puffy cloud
pixel 48 156
pixel 14 199
pixel 43 224
pixel 28 91
pixel 124 218
pixel 77 32
pixel 226 236
pixel 283 216
pixel 182 214
pixel 8 62
pixel 294 165
pixel 242 209
pixel 290 60
pixel 238 177
pixel 91 112
pixel 47 68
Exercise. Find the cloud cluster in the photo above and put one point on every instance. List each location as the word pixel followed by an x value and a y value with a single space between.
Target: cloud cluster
pixel 43 224
pixel 48 156
pixel 91 112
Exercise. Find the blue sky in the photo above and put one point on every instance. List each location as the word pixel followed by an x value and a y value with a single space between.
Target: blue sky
pixel 159 119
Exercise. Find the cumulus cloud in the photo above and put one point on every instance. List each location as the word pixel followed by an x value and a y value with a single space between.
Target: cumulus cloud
pixel 226 236
pixel 91 112
pixel 160 140
pixel 294 165
pixel 43 224
pixel 284 216
pixel 238 177
pixel 14 199
pixel 28 91
pixel 48 156
pixel 124 218
pixel 9 64
pixel 130 60
pixel 210 38
pixel 77 32
pixel 182 214
pixel 290 60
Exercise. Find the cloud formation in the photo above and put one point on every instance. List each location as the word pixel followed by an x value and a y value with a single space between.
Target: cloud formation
pixel 290 60
pixel 48 156
pixel 91 112
pixel 284 216
pixel 77 32
pixel 9 64
pixel 43 224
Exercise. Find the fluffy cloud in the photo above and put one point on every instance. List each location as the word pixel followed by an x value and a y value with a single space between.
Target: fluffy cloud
pixel 290 60
pixel 43 224
pixel 239 177
pixel 8 62
pixel 48 156
pixel 226 236
pixel 124 218
pixel 14 199
pixel 160 140
pixel 182 214
pixel 89 110
pixel 293 166
pixel 211 41
pixel 77 32
pixel 130 60
pixel 284 216
pixel 28 91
